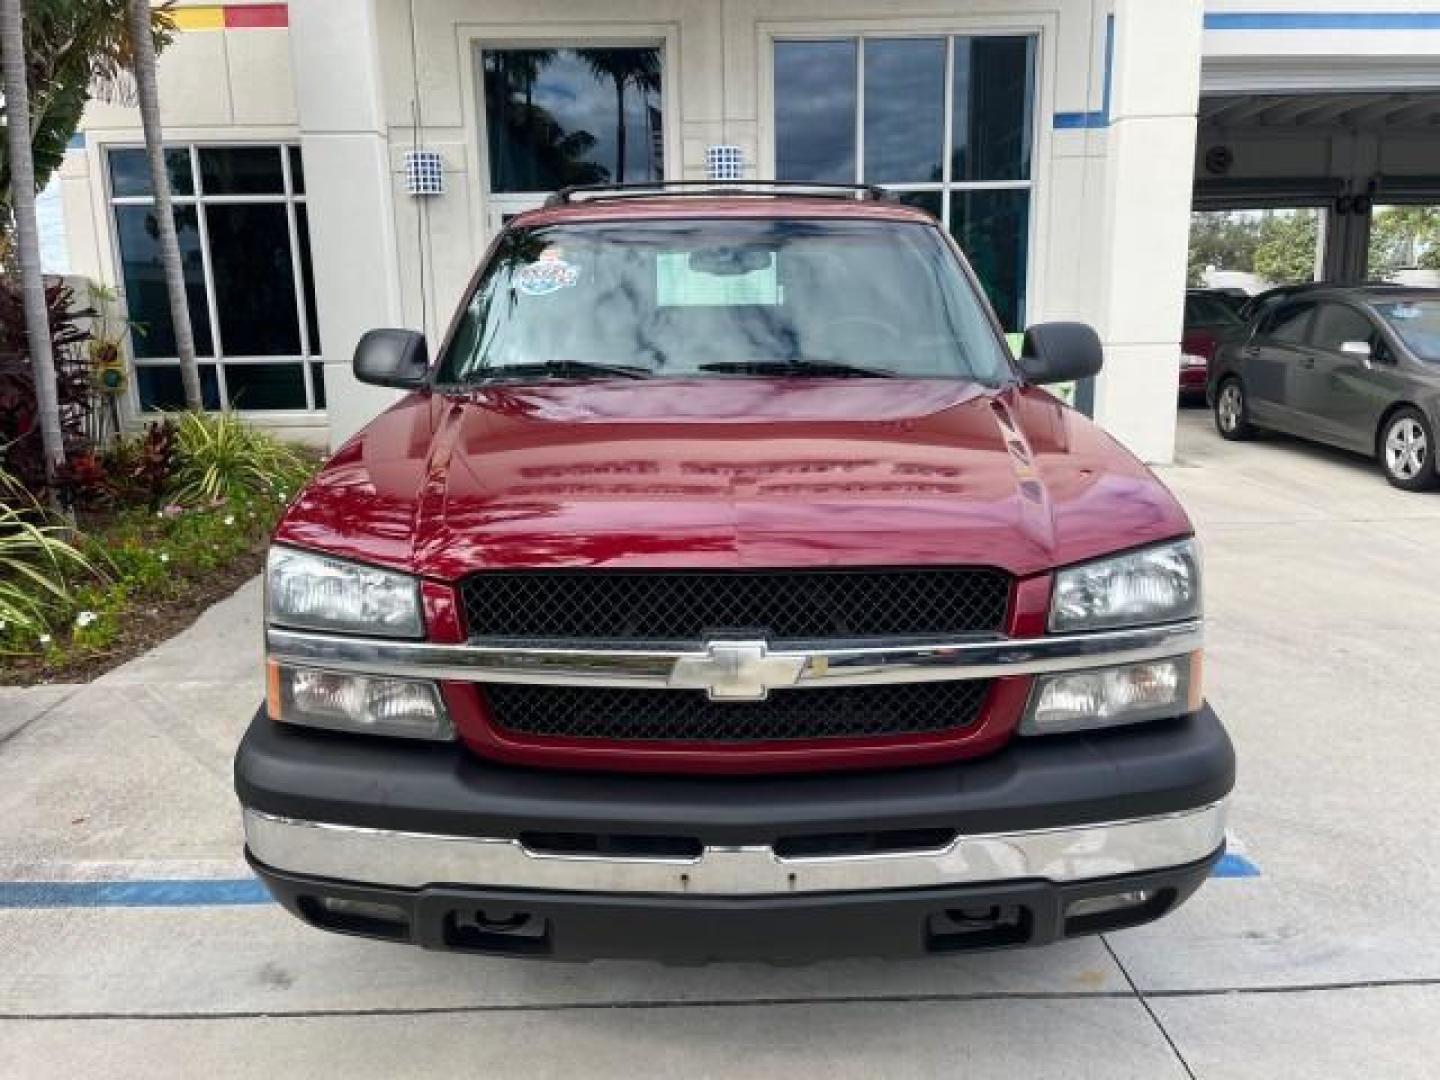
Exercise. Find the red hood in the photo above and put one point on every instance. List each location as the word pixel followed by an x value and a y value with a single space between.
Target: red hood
pixel 731 472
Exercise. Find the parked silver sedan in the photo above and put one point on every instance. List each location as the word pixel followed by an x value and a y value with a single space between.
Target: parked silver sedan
pixel 1356 367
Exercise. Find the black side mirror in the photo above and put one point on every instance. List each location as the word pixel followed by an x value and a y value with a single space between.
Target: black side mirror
pixel 1057 352
pixel 392 358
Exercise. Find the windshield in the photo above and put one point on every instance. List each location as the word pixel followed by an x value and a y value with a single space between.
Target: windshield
pixel 721 298
pixel 1416 323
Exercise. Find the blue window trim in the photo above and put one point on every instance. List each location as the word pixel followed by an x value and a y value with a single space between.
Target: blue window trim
pixel 1073 121
pixel 1323 20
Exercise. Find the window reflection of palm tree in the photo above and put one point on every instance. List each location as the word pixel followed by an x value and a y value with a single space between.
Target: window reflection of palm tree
pixel 525 65
pixel 639 68
pixel 554 153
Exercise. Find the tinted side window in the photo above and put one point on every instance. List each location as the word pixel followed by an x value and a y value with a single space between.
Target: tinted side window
pixel 1336 323
pixel 1263 305
pixel 1290 324
pixel 1208 311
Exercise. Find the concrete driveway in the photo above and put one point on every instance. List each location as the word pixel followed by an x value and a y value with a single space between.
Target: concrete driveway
pixel 147 952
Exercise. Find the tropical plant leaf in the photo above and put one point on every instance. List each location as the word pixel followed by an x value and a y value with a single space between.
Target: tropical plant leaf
pixel 221 457
pixel 36 561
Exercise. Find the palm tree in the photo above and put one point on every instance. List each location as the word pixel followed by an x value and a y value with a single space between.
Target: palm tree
pixel 639 68
pixel 142 45
pixel 526 65
pixel 27 232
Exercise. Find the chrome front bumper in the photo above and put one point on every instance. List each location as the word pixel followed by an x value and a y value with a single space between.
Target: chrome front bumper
pixel 415 860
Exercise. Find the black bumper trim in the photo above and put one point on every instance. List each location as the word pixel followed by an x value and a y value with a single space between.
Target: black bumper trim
pixel 1060 781
pixel 697 929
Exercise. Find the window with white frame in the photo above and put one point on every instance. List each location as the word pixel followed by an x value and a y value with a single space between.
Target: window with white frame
pixel 245 252
pixel 579 115
pixel 944 121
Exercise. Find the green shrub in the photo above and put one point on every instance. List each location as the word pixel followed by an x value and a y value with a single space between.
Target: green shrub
pixel 173 508
pixel 166 511
pixel 37 565
pixel 220 457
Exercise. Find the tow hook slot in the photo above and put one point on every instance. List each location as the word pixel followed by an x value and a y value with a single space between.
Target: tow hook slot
pixel 498 930
pixel 977 928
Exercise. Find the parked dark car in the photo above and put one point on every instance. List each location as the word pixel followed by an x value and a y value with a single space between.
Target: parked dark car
pixel 1263 302
pixel 1210 321
pixel 1257 305
pixel 1236 298
pixel 1356 367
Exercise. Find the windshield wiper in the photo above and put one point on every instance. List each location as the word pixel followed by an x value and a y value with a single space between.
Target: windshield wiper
pixel 818 368
pixel 562 369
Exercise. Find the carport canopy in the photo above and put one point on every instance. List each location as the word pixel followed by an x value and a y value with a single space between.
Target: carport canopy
pixel 1344 157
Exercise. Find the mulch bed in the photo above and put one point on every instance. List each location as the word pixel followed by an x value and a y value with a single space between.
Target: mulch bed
pixel 147 624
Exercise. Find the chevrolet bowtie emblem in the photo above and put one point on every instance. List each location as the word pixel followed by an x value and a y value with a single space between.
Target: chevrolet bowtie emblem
pixel 737 671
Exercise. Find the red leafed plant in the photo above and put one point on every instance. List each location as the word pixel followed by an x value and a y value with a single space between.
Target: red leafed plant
pixel 20 451
pixel 139 470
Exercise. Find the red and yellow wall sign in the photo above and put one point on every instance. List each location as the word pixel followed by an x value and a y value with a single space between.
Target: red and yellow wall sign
pixel 231 16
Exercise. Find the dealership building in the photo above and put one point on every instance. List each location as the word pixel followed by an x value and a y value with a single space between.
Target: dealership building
pixel 342 164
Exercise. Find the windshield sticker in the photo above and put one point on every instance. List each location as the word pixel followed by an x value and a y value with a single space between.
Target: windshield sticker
pixel 548 274
pixel 1404 311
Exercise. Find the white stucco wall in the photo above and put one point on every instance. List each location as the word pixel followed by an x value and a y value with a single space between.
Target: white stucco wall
pixel 1145 223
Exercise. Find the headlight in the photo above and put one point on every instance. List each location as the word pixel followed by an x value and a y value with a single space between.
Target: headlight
pixel 371 704
pixel 313 592
pixel 1159 584
pixel 1109 697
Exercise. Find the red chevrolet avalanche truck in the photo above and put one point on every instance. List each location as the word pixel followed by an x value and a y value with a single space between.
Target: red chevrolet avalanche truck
pixel 724 588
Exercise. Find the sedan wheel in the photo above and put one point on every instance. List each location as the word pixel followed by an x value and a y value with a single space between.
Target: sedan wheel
pixel 1407 451
pixel 1232 418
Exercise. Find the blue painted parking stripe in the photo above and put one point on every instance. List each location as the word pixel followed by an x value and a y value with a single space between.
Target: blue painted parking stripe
pixel 1233 865
pixel 199 892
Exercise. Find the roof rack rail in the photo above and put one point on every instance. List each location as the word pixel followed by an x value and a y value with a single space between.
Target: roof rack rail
pixel 703 188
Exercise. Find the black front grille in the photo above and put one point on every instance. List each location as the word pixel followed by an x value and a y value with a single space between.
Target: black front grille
pixel 660 605
pixel 689 716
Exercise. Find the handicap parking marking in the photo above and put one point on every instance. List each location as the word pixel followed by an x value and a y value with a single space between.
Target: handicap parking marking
pixel 1234 865
pixel 194 892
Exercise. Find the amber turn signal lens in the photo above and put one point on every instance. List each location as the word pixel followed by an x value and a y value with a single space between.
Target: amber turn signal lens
pixel 272 690
pixel 1197 681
